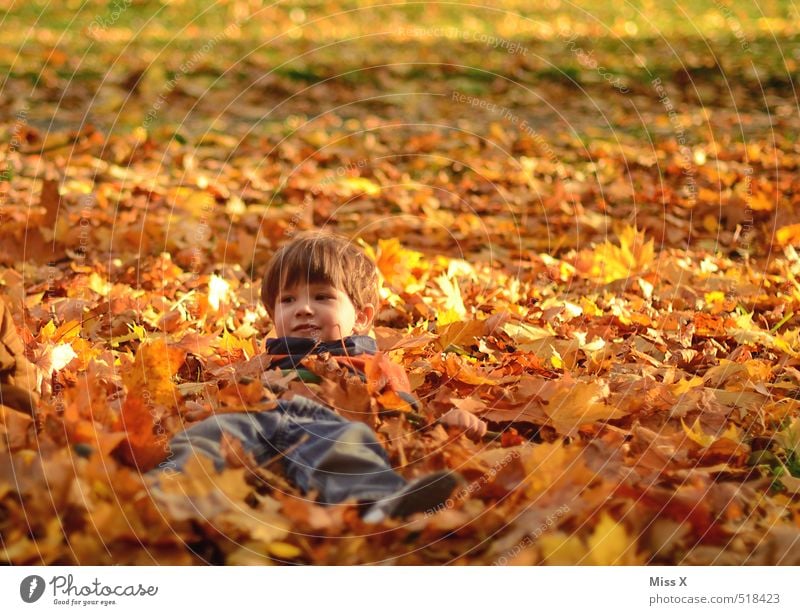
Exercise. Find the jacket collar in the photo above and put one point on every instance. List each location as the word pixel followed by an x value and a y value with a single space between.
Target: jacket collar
pixel 302 346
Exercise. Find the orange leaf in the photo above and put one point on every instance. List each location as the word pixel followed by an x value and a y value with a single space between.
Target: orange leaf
pixel 240 394
pixel 392 401
pixel 788 235
pixel 462 372
pixel 382 372
pixel 150 391
pixel 510 438
pixel 461 333
pixel 145 449
pixel 152 371
pixel 578 403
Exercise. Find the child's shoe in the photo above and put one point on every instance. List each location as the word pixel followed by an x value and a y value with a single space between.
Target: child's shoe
pixel 424 494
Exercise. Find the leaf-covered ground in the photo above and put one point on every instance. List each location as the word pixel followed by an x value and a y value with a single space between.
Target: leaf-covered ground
pixel 585 218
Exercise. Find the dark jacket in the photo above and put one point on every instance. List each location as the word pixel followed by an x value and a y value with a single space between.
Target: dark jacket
pixel 17 374
pixel 289 352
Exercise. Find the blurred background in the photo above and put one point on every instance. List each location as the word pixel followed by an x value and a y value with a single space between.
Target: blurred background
pixel 558 119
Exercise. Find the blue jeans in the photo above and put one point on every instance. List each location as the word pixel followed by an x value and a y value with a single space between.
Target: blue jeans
pixel 321 451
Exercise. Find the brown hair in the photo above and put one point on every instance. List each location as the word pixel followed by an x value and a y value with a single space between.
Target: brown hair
pixel 321 258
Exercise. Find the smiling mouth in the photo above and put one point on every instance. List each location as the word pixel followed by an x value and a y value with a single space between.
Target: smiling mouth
pixel 306 328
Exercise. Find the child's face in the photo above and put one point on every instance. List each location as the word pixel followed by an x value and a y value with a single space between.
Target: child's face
pixel 319 311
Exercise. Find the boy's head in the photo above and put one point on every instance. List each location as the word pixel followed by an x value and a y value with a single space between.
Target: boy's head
pixel 320 286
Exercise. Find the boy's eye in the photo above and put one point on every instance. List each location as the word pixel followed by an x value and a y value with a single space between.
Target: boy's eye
pixel 286 299
pixel 324 296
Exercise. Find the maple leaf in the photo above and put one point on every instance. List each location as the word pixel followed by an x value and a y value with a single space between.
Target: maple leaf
pixel 574 404
pixel 150 391
pixel 241 395
pixel 395 263
pixel 381 374
pixel 467 333
pixel 611 545
pixel 350 398
pixel 696 434
pixel 608 545
pixel 552 466
pixel 610 262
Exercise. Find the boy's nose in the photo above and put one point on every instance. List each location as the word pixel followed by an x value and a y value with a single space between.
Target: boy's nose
pixel 303 307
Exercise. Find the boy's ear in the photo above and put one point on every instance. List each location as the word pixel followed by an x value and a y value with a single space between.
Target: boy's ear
pixel 364 318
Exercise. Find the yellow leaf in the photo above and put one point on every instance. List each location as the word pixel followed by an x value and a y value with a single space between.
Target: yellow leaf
pixel 696 434
pixel 715 296
pixel 360 184
pixel 85 352
pixel 610 544
pixel 579 403
pixel 710 223
pixel 284 550
pixel 520 332
pixel 231 343
pixel 454 303
pixel 633 255
pixel 199 491
pixel 197 202
pixel 448 317
pixel 461 333
pixel 721 374
pixel 248 555
pixel 590 307
pixel 747 332
pixel 788 235
pixel 680 388
pixel 561 549
pixel 99 285
pixel 758 370
pixel 139 332
pixel 47 332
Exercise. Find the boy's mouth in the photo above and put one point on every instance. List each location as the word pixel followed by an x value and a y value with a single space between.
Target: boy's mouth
pixel 306 329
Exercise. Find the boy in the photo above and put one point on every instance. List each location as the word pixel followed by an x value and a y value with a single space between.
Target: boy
pixel 320 292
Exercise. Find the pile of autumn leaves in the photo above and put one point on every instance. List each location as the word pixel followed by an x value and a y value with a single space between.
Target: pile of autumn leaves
pixel 645 407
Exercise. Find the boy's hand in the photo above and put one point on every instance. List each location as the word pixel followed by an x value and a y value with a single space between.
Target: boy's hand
pixel 472 426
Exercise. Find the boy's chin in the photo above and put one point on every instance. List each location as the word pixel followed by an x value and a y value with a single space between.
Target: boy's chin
pixel 316 335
